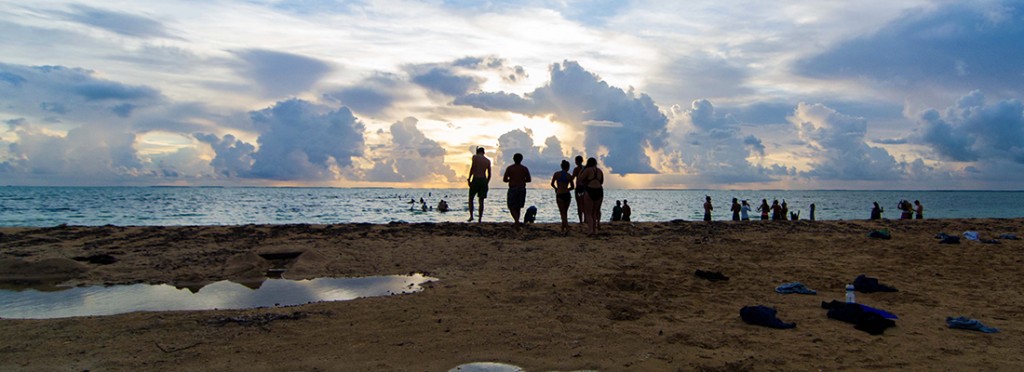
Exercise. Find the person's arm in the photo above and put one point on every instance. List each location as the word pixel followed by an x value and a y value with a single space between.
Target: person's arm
pixel 553 179
pixel 505 178
pixel 572 183
pixel 527 174
pixel 488 171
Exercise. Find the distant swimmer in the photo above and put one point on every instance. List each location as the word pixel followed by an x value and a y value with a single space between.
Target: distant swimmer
pixel 442 206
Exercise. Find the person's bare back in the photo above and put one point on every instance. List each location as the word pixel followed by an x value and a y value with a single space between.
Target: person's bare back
pixel 481 167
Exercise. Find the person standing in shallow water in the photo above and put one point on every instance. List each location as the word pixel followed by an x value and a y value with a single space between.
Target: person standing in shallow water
pixel 776 210
pixel 562 182
pixel 744 211
pixel 918 210
pixel 812 211
pixel 479 177
pixel 517 176
pixel 735 208
pixel 626 210
pixel 707 208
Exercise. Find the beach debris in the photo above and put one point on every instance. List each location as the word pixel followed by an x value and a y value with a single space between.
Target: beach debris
pixel 794 287
pixel 763 316
pixel 98 259
pixel 972 235
pixel 865 284
pixel 947 239
pixel 256 319
pixel 713 276
pixel 969 324
pixel 856 314
pixel 880 234
pixel 1008 237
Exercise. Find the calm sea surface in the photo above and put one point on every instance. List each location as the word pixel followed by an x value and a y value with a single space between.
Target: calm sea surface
pixel 50 206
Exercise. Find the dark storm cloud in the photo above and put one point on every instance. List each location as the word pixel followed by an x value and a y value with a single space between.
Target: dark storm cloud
pixel 282 74
pixel 972 130
pixel 960 45
pixel 117 22
pixel 578 97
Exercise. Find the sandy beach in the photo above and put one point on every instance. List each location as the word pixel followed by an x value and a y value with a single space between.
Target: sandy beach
pixel 626 300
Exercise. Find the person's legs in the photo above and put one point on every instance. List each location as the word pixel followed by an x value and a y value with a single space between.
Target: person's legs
pixel 563 209
pixel 597 214
pixel 471 205
pixel 480 215
pixel 579 206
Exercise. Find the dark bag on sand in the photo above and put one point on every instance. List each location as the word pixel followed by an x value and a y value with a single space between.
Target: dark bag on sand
pixel 763 316
pixel 880 234
pixel 710 275
pixel 866 321
pixel 865 284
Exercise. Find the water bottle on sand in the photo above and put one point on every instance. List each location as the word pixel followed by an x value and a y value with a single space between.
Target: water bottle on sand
pixel 849 294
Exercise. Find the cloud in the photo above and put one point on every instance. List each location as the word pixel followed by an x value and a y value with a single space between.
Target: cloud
pixel 302 141
pixel 972 130
pixel 958 45
pixel 462 76
pixel 540 160
pixel 46 91
pixel 838 148
pixel 371 96
pixel 84 154
pixel 575 96
pixel 281 74
pixel 117 22
pixel 411 157
pixel 233 157
pixel 709 147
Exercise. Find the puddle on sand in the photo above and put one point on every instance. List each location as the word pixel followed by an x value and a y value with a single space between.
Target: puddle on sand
pixel 486 367
pixel 118 299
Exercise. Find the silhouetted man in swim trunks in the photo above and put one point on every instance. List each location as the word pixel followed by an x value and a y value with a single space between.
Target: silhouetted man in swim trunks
pixel 479 177
pixel 517 176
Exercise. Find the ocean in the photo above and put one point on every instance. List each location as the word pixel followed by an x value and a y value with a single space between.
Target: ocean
pixel 127 206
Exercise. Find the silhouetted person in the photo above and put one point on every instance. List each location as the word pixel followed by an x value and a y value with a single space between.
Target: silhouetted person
pixel 591 180
pixel 812 212
pixel 617 211
pixel 517 176
pixel 707 208
pixel 479 177
pixel 876 211
pixel 626 210
pixel 776 211
pixel 579 189
pixel 764 209
pixel 785 209
pixel 562 182
pixel 919 210
pixel 735 208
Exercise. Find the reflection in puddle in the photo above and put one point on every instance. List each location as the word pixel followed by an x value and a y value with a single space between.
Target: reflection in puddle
pixel 99 300
pixel 486 367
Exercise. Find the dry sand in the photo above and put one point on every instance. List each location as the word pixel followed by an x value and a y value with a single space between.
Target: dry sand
pixel 626 300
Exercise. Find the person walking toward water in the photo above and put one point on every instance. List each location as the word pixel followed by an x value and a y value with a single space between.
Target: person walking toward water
pixel 591 180
pixel 764 208
pixel 626 210
pixel 876 212
pixel 919 210
pixel 479 177
pixel 707 208
pixel 745 211
pixel 735 208
pixel 579 188
pixel 517 176
pixel 562 182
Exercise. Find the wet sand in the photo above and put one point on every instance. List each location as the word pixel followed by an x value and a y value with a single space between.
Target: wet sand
pixel 626 300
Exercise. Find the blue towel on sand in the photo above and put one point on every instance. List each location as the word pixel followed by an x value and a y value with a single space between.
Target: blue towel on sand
pixel 969 324
pixel 794 287
pixel 883 313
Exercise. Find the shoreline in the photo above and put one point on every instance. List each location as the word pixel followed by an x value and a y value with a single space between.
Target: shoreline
pixel 529 297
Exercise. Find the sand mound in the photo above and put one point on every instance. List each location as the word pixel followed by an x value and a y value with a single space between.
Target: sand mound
pixel 309 264
pixel 246 266
pixel 50 270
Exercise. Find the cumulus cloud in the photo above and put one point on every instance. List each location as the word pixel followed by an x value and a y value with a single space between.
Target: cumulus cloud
pixel 371 96
pixel 83 154
pixel 958 45
pixel 577 97
pixel 233 157
pixel 972 130
pixel 410 157
pixel 839 150
pixel 709 147
pixel 281 74
pixel 540 160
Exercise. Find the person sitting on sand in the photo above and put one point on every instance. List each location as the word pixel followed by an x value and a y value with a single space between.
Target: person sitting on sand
pixel 479 177
pixel 517 176
pixel 919 210
pixel 531 215
pixel 562 182
pixel 764 209
pixel 876 212
pixel 617 211
pixel 707 208
pixel 626 210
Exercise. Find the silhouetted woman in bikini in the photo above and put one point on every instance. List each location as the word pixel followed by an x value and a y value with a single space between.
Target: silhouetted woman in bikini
pixel 591 180
pixel 563 184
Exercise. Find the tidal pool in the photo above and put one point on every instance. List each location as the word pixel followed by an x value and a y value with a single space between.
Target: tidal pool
pixel 118 299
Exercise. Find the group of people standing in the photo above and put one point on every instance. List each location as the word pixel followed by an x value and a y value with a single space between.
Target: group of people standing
pixel 741 210
pixel 586 182
pixel 907 210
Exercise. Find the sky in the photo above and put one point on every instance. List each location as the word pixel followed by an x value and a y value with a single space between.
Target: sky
pixel 892 94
